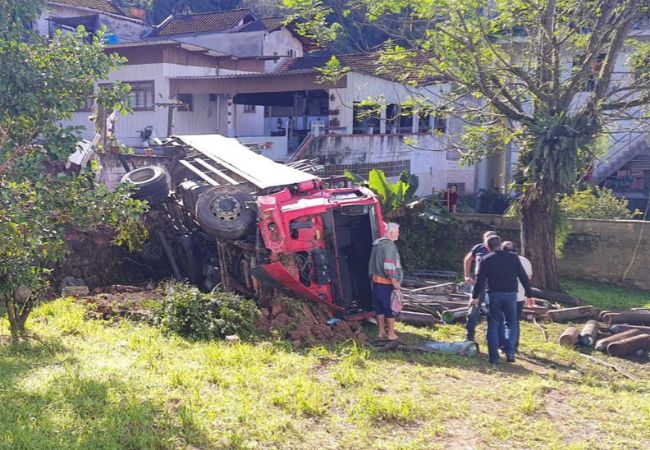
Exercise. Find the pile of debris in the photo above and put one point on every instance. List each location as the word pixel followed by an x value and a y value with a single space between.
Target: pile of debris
pixel 619 333
pixel 306 323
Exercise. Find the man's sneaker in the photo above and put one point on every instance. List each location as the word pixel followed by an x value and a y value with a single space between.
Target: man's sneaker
pixel 510 358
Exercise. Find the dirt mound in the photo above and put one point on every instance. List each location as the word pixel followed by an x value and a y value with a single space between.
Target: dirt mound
pixel 121 301
pixel 306 323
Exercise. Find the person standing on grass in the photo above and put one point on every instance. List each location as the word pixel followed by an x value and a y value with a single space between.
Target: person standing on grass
pixel 474 257
pixel 499 271
pixel 386 273
pixel 508 246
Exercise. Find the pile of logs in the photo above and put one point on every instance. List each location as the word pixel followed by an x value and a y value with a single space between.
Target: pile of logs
pixel 619 333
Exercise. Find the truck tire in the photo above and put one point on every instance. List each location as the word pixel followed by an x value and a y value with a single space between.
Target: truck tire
pixel 225 212
pixel 152 183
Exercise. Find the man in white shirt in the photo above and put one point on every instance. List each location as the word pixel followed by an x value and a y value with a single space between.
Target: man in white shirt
pixel 521 295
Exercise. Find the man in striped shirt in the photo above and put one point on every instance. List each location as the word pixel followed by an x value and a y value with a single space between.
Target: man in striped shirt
pixel 386 273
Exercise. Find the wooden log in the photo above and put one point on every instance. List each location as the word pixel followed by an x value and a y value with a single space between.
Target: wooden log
pixel 577 313
pixel 629 345
pixel 589 333
pixel 443 288
pixel 629 317
pixel 543 303
pixel 417 318
pixel 569 337
pixel 619 328
pixel 556 297
pixel 534 312
pixel 602 344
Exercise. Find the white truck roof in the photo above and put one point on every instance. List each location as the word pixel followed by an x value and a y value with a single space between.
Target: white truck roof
pixel 234 156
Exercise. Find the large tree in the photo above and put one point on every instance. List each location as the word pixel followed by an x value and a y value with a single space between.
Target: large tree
pixel 42 83
pixel 535 74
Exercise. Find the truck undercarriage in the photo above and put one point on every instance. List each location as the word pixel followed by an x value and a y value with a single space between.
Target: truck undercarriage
pixel 223 214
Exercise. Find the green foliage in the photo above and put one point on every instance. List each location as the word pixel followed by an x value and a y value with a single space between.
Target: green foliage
pixel 43 83
pixel 505 75
pixel 195 315
pixel 392 195
pixel 429 244
pixel 596 203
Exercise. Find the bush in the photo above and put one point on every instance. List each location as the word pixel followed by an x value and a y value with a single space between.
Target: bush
pixel 596 203
pixel 187 311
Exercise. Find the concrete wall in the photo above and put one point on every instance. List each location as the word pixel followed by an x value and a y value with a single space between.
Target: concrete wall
pixel 596 249
pixel 424 157
pixel 125 29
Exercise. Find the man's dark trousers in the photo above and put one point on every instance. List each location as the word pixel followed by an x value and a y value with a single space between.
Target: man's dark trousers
pixel 501 306
pixel 473 318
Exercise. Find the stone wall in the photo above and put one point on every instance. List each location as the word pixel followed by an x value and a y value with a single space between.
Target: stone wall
pixel 596 249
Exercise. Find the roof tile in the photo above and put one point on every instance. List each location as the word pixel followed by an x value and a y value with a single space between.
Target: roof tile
pixel 201 23
pixel 105 6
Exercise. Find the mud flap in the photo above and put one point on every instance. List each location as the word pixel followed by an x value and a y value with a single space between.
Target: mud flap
pixel 276 275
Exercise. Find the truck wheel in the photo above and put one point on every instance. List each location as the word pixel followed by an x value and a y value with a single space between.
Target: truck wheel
pixel 151 181
pixel 190 259
pixel 225 211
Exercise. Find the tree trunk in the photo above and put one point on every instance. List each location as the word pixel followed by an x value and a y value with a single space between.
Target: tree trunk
pixel 538 219
pixel 16 326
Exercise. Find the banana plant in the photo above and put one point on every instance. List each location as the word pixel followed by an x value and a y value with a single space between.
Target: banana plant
pixel 393 196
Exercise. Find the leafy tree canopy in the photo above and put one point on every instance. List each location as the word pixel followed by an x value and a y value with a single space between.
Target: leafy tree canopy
pixel 43 83
pixel 538 75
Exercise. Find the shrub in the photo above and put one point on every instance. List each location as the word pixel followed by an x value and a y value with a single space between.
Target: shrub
pixel 187 311
pixel 596 203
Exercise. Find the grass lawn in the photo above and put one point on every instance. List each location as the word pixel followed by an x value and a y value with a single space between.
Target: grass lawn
pixel 121 385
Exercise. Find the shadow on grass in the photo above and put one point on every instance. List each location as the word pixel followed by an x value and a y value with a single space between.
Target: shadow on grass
pixel 70 411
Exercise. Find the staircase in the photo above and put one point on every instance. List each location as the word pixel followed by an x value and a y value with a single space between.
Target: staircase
pixel 620 153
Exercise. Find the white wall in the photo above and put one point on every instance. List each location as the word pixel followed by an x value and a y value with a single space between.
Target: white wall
pixel 279 42
pixel 202 120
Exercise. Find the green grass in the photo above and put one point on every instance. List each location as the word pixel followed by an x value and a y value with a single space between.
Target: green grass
pixel 91 384
pixel 607 296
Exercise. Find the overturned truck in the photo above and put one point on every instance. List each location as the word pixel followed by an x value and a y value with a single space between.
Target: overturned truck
pixel 223 214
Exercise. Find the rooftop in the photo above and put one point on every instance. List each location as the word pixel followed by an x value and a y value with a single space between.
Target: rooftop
pixel 206 22
pixel 105 6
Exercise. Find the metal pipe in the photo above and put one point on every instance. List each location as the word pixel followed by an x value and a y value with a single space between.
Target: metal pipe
pixel 569 337
pixel 568 314
pixel 629 345
pixel 602 344
pixel 452 315
pixel 589 333
pixel 630 318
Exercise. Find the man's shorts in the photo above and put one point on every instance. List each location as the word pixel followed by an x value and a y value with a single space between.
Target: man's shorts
pixel 381 299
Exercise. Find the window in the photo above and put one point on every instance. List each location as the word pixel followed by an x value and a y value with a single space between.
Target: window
pixel 291 53
pixel 406 120
pixel 249 108
pixel 424 123
pixel 392 118
pixel 142 95
pixel 187 101
pixel 460 187
pixel 365 119
pixel 453 155
pixel 440 123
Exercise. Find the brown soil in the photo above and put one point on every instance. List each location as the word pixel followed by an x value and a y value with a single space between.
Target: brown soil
pixel 305 323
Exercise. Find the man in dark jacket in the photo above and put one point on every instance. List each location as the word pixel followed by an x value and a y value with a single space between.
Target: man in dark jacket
pixel 474 257
pixel 500 270
pixel 386 273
